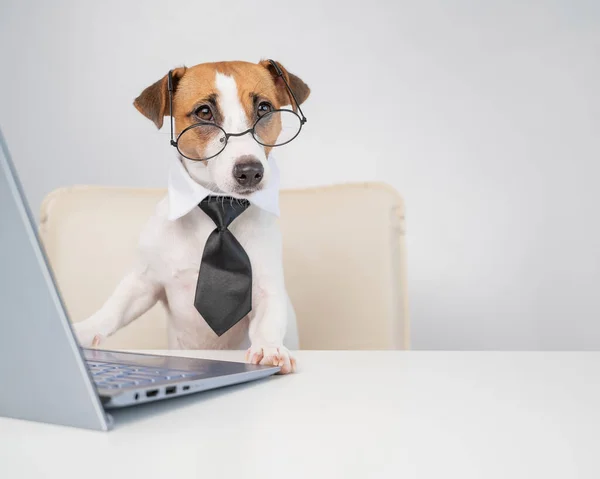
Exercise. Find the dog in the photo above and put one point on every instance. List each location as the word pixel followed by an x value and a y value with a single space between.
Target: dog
pixel 232 95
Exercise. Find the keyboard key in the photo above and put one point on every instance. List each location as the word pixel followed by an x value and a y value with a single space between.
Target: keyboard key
pixel 121 384
pixel 135 377
pixel 109 375
pixel 149 375
pixel 107 386
pixel 117 380
pixel 149 371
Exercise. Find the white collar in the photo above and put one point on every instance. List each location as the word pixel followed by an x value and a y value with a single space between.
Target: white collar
pixel 185 194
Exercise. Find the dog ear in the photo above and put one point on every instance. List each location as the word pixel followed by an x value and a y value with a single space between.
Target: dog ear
pixel 300 89
pixel 153 102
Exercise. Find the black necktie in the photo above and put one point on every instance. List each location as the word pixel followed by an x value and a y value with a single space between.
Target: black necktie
pixel 224 289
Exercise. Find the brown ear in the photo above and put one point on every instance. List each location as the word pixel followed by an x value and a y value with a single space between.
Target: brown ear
pixel 300 89
pixel 153 102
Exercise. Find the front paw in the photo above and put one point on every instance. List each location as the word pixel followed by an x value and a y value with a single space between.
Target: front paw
pixel 272 356
pixel 87 334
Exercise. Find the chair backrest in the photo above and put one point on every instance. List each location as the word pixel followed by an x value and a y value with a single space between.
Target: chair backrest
pixel 344 261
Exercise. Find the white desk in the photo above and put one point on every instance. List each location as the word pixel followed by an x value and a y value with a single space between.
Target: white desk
pixel 347 414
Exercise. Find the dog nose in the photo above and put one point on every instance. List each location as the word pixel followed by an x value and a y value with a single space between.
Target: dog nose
pixel 248 173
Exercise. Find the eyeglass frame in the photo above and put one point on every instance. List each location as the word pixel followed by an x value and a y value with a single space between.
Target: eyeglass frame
pixel 175 142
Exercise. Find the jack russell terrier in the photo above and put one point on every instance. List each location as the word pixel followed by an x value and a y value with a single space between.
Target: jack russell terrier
pixel 223 287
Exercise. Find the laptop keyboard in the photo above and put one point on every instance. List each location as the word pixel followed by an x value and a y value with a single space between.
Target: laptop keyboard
pixel 116 376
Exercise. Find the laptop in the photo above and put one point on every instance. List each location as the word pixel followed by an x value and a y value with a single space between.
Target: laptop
pixel 44 375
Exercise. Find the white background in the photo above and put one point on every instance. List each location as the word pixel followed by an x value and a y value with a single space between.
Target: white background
pixel 484 115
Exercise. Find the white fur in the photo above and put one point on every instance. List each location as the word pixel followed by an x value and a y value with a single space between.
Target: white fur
pixel 234 121
pixel 169 259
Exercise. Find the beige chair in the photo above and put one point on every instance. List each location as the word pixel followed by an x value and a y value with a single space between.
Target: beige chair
pixel 343 255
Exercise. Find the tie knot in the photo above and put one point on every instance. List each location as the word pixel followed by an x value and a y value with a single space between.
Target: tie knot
pixel 223 209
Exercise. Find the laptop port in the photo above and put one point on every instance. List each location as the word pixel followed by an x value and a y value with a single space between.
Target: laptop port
pixel 151 393
pixel 185 388
pixel 170 390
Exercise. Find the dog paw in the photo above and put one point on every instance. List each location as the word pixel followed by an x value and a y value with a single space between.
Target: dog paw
pixel 87 335
pixel 272 356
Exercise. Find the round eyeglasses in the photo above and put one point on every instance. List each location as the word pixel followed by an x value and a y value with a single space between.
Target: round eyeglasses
pixel 203 140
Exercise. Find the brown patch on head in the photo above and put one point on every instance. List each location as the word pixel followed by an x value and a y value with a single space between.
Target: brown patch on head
pixel 252 82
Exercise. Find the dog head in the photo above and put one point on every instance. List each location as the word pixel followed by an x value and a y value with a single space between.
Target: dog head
pixel 232 95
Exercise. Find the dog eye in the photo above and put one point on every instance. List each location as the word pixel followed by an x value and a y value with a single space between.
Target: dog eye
pixel 204 113
pixel 264 108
